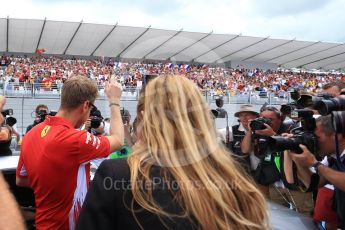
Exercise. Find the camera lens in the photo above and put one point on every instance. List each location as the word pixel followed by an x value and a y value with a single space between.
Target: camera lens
pixel 334 104
pixel 95 123
pixel 279 144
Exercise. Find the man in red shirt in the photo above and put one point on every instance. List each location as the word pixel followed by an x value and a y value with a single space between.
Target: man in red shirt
pixel 55 155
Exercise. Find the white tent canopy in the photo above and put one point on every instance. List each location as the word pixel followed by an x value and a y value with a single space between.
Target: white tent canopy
pixel 86 39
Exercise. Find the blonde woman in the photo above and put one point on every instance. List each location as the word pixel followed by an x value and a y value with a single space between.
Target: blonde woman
pixel 178 176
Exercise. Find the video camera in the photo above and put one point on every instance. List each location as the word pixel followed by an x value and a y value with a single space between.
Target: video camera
pixel 219 112
pixel 96 117
pixel 286 109
pixel 8 115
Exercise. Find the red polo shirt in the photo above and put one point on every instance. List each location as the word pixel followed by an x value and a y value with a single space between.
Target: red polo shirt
pixel 54 157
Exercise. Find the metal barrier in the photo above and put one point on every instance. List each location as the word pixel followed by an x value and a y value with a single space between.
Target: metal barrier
pixel 24 98
pixel 41 90
pixel 256 98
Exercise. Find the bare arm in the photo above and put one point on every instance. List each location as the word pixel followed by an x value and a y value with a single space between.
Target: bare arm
pixel 336 178
pixel 22 182
pixel 288 170
pixel 2 103
pixel 10 217
pixel 246 144
pixel 305 160
pixel 113 91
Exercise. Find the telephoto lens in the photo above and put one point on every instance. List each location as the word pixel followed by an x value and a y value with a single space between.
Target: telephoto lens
pixel 278 143
pixel 326 107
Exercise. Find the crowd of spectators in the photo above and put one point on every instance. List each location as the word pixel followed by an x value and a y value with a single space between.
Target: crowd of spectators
pixel 50 72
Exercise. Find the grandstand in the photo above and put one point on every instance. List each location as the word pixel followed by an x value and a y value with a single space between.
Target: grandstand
pixel 26 36
pixel 38 55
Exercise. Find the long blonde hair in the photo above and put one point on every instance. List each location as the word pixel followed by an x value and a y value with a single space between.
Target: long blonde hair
pixel 178 135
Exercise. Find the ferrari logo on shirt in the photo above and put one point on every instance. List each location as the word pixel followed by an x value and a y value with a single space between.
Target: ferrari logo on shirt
pixel 45 131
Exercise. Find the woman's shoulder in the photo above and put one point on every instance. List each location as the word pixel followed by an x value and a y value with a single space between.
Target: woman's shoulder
pixel 116 168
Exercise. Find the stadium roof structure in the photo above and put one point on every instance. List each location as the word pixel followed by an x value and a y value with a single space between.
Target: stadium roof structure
pixel 125 42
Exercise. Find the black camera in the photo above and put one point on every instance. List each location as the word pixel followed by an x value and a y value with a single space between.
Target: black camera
pixel 7 114
pixel 259 123
pixel 43 113
pixel 286 109
pixel 219 112
pixel 96 117
pixel 332 104
pixel 301 135
pixel 278 143
pixel 125 115
pixel 313 101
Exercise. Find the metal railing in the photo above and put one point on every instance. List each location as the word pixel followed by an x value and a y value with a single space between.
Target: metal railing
pixel 253 97
pixel 42 90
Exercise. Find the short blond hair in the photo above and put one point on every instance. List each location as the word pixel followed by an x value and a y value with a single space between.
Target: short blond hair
pixel 76 90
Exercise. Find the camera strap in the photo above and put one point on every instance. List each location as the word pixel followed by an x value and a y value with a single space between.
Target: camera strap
pixel 340 165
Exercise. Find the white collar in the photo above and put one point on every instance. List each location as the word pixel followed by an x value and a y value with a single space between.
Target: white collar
pixel 342 154
pixel 241 128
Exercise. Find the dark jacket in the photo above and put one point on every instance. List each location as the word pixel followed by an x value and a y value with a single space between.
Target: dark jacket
pixel 108 202
pixel 238 136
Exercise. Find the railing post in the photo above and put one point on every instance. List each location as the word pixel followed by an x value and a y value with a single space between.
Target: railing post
pixel 249 98
pixel 32 90
pixel 23 115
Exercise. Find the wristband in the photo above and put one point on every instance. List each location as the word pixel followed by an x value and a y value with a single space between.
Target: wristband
pixel 316 166
pixel 116 104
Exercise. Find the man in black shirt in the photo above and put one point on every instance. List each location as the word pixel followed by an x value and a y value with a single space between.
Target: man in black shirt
pixel 40 112
pixel 245 114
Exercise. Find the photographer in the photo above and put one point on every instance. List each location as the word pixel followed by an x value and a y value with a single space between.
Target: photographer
pixel 40 112
pixel 275 126
pixel 128 141
pixel 245 114
pixel 268 171
pixel 95 123
pixel 6 132
pixel 325 171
